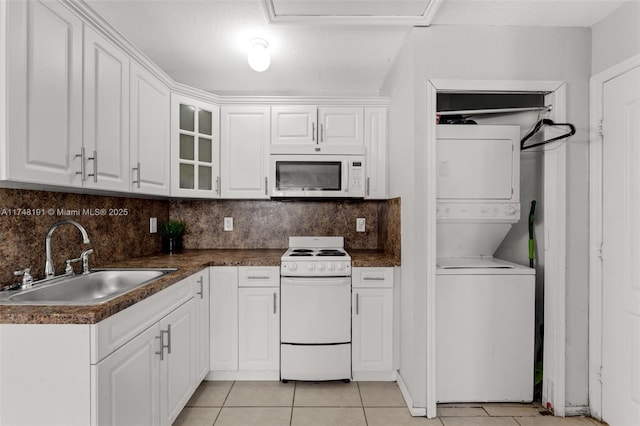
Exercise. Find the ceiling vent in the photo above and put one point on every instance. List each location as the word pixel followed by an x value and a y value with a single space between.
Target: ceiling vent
pixel 353 12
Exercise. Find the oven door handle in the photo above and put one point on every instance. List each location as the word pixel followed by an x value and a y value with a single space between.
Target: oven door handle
pixel 314 281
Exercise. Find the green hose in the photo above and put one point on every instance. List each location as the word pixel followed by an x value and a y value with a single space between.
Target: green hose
pixel 531 228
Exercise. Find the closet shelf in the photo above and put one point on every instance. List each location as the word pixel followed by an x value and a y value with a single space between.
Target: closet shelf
pixel 495 110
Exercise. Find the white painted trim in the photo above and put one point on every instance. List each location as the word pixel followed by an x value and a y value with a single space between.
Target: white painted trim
pixel 242 375
pixel 3 89
pixel 555 215
pixel 446 85
pixel 422 20
pixel 431 201
pixel 578 410
pixel 347 98
pixel 415 412
pixel 595 228
pixel 555 220
pixel 375 376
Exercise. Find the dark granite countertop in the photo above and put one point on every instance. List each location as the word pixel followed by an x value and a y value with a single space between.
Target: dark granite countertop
pixel 187 262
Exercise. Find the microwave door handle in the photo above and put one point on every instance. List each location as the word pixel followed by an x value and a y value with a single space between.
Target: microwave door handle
pixel 346 174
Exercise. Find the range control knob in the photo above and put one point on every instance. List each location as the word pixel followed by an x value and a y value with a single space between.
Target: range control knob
pixel 293 266
pixel 321 266
pixel 311 266
pixel 331 266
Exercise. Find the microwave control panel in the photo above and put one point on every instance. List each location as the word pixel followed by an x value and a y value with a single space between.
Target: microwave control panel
pixel 356 177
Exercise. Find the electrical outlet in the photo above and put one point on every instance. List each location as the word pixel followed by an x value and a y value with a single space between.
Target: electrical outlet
pixel 360 224
pixel 153 225
pixel 228 224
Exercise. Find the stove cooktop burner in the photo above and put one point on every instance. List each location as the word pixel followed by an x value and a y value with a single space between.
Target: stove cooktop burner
pixel 301 254
pixel 302 250
pixel 331 253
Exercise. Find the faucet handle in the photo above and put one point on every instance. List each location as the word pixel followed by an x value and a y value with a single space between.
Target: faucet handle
pixel 85 261
pixel 68 269
pixel 27 279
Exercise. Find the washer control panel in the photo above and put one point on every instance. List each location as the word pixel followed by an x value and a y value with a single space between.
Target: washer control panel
pixel 478 211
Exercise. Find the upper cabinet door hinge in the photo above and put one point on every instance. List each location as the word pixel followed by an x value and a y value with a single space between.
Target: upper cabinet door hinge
pixel 601 128
pixel 601 252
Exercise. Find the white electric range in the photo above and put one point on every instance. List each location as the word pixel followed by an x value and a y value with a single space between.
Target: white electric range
pixel 315 322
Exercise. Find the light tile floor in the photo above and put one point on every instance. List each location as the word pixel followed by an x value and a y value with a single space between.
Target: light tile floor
pixel 344 404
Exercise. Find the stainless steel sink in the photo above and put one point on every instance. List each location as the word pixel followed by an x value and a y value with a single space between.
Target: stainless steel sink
pixel 94 288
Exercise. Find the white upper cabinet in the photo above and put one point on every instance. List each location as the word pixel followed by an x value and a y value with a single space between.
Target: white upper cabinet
pixel 375 142
pixel 294 125
pixel 44 91
pixel 244 151
pixel 149 147
pixel 106 114
pixel 195 148
pixel 342 126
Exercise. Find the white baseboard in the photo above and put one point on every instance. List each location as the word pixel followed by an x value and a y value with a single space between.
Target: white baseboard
pixel 242 375
pixel 577 410
pixel 375 376
pixel 415 411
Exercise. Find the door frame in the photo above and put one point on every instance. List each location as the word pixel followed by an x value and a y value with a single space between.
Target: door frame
pixel 555 214
pixel 596 114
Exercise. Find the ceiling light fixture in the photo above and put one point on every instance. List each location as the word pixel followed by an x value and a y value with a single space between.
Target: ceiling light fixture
pixel 259 57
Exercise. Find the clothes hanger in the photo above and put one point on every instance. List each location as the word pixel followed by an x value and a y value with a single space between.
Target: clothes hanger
pixel 539 125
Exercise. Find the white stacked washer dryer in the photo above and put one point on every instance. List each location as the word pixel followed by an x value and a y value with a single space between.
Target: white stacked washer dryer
pixel 485 306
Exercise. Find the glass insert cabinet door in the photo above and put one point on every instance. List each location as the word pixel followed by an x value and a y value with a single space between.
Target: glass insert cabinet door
pixel 195 147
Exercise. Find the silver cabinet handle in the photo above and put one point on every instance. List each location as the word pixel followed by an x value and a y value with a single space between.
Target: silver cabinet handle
pixel 218 185
pixel 95 166
pixel 137 170
pixel 169 339
pixel 82 172
pixel 275 302
pixel 162 345
pixel 201 292
pixel 266 186
pixel 357 303
pixel 313 131
pixel 372 278
pixel 367 185
pixel 258 277
pixel 321 132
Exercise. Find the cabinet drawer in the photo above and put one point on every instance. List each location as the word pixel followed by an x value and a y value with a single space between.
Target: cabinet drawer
pixel 115 331
pixel 259 276
pixel 372 277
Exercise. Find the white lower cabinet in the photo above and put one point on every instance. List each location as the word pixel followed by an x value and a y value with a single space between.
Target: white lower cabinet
pixel 202 324
pixel 245 323
pixel 137 367
pixel 372 324
pixel 177 361
pixel 224 318
pixel 128 383
pixel 259 329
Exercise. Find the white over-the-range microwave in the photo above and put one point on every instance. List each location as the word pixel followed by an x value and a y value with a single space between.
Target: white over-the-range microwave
pixel 320 176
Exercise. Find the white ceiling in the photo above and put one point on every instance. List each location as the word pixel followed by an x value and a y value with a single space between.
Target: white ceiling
pixel 202 43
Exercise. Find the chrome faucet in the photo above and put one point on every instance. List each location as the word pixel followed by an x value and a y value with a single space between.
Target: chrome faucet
pixel 48 266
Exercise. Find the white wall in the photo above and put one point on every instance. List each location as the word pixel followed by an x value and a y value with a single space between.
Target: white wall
pixel 401 184
pixel 492 53
pixel 616 38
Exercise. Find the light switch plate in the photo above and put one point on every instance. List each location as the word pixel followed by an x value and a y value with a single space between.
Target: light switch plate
pixel 360 224
pixel 228 224
pixel 153 225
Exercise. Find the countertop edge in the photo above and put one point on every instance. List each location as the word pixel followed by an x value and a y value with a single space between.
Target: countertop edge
pixel 187 262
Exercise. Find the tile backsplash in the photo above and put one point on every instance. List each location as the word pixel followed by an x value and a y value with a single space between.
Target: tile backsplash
pixel 269 223
pixel 118 227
